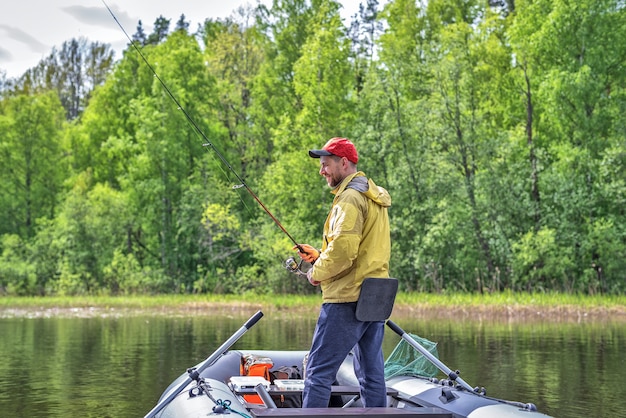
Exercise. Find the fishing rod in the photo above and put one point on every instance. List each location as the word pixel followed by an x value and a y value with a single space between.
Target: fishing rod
pixel 208 143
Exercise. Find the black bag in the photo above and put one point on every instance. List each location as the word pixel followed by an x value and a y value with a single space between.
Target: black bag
pixel 285 372
pixel 292 400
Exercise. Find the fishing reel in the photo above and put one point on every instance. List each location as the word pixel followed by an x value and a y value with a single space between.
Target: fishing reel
pixel 296 267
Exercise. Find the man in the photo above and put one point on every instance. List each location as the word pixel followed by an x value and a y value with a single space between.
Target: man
pixel 356 245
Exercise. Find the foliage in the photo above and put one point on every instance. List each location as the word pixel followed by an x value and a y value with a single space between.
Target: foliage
pixel 17 275
pixel 496 126
pixel 73 71
pixel 31 161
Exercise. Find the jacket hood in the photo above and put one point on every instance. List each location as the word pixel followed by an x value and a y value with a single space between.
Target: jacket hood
pixel 367 187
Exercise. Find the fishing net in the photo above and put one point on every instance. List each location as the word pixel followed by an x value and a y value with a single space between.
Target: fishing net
pixel 405 360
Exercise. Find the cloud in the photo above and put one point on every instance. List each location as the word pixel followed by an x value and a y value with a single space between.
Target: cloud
pixel 5 55
pixel 95 16
pixel 23 37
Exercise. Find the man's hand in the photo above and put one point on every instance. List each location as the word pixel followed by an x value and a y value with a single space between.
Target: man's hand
pixel 307 252
pixel 309 276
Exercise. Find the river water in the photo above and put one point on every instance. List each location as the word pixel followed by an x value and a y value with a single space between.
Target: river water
pixel 111 365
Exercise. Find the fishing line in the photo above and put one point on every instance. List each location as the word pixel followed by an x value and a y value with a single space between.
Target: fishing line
pixel 207 143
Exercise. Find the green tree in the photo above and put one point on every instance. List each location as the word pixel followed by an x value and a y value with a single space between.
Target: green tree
pixel 323 76
pixel 182 24
pixel 234 52
pixel 91 225
pixel 275 105
pixel 104 140
pixel 393 123
pixel 323 82
pixel 169 151
pixel 364 31
pixel 135 139
pixel 73 71
pixel 31 161
pixel 286 27
pixel 17 275
pixel 140 35
pixel 160 31
pixel 572 51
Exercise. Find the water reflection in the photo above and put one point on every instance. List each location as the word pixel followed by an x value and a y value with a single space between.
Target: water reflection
pixel 118 367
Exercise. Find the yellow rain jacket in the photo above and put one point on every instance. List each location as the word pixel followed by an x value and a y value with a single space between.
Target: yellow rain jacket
pixel 356 243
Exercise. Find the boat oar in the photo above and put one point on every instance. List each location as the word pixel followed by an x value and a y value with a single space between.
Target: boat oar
pixel 194 373
pixel 434 360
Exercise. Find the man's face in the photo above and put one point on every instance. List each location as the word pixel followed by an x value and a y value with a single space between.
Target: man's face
pixel 333 169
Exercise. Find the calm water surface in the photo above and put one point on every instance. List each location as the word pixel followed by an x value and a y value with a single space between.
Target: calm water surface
pixel 105 366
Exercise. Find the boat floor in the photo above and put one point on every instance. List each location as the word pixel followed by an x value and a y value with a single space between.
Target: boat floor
pixel 348 412
pixel 337 412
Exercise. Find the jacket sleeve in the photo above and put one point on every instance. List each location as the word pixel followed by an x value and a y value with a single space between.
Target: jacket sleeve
pixel 343 236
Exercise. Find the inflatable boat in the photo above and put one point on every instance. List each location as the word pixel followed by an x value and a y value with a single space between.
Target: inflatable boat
pixel 221 386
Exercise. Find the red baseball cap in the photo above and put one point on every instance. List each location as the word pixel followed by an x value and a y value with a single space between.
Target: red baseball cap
pixel 341 147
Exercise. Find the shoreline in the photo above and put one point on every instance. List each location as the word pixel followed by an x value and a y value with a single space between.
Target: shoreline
pixel 481 313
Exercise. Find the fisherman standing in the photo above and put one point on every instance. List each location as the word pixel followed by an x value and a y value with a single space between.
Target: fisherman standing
pixel 356 245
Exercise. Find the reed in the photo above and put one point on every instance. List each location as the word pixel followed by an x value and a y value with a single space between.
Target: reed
pixel 467 300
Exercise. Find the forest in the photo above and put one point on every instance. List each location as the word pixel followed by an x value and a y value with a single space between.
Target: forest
pixel 498 127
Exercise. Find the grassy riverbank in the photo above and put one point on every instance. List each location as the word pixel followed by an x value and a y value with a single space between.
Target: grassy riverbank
pixel 511 306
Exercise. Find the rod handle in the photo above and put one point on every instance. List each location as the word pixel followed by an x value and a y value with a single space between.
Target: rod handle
pixel 253 320
pixel 395 327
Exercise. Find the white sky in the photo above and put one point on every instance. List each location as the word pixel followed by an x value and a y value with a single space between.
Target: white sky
pixel 29 29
